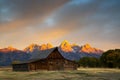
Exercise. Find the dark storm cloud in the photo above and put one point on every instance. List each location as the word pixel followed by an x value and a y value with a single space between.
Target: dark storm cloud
pixel 100 11
pixel 17 14
pixel 27 9
pixel 101 15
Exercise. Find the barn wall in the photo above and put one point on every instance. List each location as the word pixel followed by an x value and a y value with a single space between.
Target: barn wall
pixel 20 67
pixel 55 61
pixel 70 65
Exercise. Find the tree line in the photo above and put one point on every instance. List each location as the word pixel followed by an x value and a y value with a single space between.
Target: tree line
pixel 109 59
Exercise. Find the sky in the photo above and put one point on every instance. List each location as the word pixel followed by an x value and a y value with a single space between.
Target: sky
pixel 24 22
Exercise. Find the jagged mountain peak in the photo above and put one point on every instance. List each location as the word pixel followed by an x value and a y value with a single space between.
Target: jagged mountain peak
pixel 35 47
pixel 49 45
pixel 88 49
pixel 66 46
pixel 11 48
pixel 65 42
pixel 31 47
pixel 87 45
pixel 46 46
pixel 8 49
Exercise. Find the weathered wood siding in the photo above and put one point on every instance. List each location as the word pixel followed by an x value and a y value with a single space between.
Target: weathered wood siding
pixel 20 67
pixel 55 61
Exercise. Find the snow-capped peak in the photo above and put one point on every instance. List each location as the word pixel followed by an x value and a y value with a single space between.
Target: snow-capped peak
pixel 66 46
pixel 88 49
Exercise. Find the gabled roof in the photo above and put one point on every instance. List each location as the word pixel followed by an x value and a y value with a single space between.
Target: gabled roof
pixel 45 53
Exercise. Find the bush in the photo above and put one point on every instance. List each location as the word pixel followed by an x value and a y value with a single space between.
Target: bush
pixel 111 58
pixel 89 62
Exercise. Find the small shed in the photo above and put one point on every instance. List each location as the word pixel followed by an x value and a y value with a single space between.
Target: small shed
pixel 51 60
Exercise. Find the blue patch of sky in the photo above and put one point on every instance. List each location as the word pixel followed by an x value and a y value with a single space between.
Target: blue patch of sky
pixel 4 10
pixel 77 2
pixel 49 21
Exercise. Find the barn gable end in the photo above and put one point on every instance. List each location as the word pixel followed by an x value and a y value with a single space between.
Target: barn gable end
pixel 51 60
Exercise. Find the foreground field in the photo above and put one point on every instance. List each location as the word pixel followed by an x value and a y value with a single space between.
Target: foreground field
pixel 81 74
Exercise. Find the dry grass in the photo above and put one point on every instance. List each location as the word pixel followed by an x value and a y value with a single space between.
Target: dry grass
pixel 80 74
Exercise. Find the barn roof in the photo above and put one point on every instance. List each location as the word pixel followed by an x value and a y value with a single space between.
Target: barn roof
pixel 44 54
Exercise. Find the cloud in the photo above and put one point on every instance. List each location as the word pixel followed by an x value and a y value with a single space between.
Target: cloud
pixel 28 36
pixel 26 11
pixel 94 21
pixel 91 12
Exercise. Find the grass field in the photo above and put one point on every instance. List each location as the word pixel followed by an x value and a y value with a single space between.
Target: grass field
pixel 80 74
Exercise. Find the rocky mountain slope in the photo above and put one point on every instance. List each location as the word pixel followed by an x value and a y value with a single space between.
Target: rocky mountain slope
pixel 10 54
pixel 79 51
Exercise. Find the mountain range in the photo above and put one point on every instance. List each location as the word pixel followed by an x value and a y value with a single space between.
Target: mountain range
pixel 10 54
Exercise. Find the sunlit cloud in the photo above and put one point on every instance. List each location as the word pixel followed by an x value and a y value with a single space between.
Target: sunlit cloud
pixel 41 21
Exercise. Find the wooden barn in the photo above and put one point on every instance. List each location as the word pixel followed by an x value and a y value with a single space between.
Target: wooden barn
pixel 50 60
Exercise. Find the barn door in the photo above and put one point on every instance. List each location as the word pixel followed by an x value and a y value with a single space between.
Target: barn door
pixel 51 67
pixel 59 66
